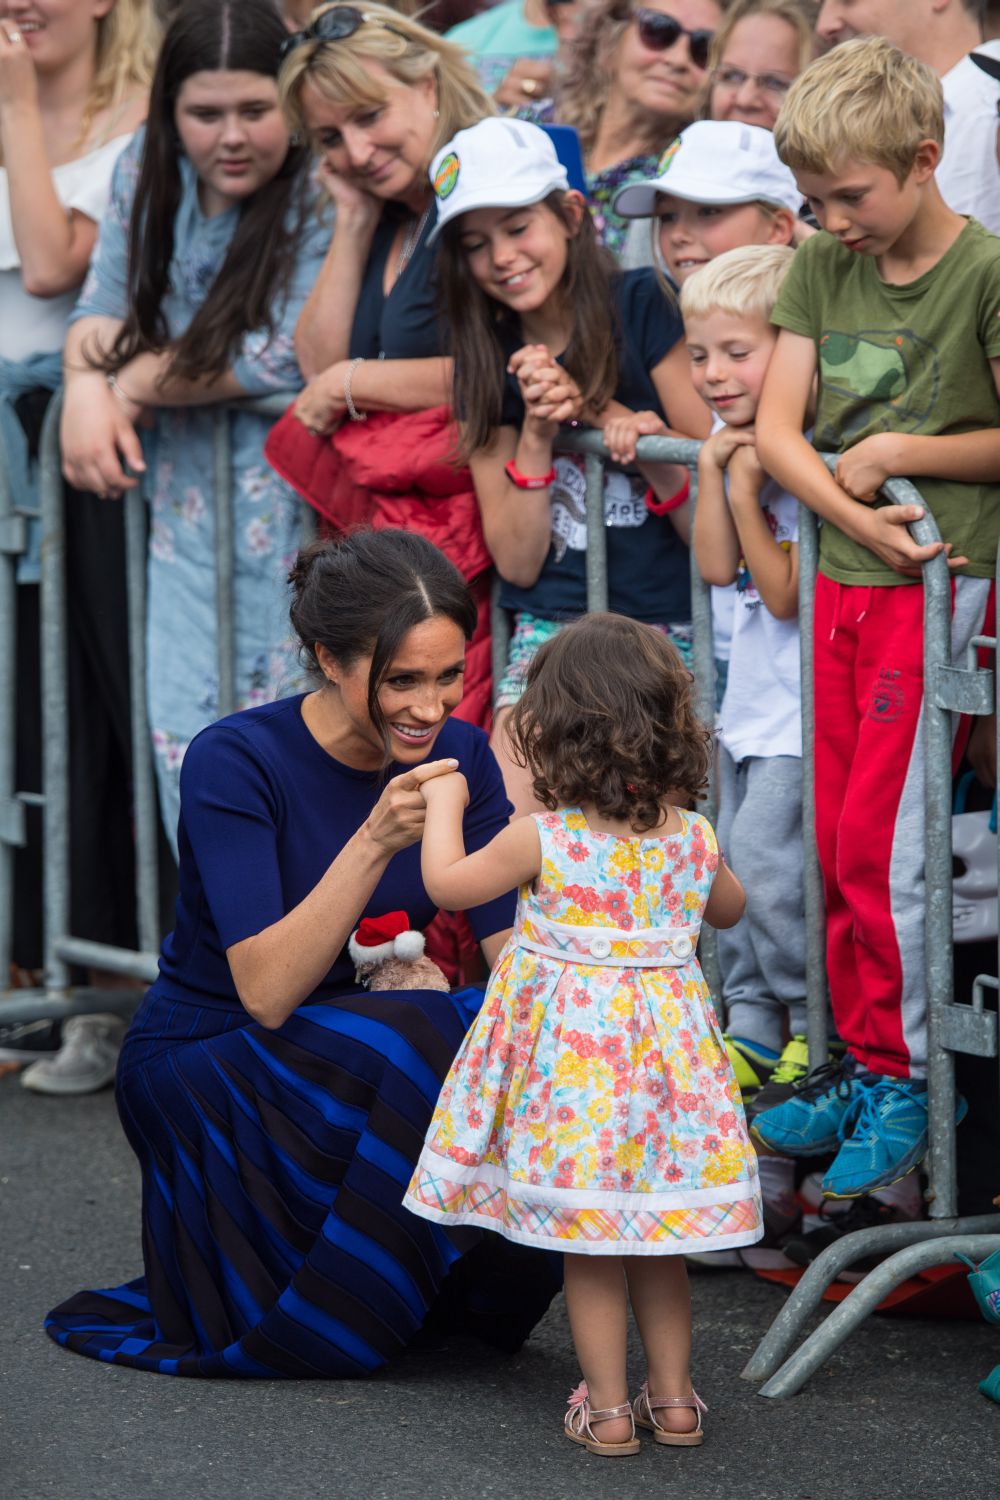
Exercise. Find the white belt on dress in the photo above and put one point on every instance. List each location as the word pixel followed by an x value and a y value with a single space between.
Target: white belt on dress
pixel 640 948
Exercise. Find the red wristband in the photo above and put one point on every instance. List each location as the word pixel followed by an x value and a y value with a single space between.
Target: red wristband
pixel 528 481
pixel 672 502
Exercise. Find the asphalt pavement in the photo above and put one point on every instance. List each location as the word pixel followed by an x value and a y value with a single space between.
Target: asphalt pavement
pixel 894 1415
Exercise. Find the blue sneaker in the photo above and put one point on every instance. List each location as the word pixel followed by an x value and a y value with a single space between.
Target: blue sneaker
pixel 808 1124
pixel 884 1135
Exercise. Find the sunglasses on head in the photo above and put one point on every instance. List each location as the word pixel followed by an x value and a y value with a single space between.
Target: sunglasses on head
pixel 335 25
pixel 658 32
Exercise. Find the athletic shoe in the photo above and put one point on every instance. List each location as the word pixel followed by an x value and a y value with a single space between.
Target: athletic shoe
pixel 808 1124
pixel 751 1063
pixel 24 1041
pixel 863 1213
pixel 791 1068
pixel 85 1062
pixel 884 1136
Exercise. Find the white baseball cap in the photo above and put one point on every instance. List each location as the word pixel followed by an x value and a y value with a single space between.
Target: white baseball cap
pixel 715 161
pixel 494 164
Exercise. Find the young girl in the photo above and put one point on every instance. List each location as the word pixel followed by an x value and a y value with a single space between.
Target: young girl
pixel 591 1108
pixel 544 330
pixel 208 251
pixel 720 185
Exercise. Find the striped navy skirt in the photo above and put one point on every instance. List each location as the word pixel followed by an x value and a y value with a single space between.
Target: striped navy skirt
pixel 274 1163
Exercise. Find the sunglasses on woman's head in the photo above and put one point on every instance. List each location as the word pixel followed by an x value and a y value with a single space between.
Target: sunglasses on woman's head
pixel 335 25
pixel 658 32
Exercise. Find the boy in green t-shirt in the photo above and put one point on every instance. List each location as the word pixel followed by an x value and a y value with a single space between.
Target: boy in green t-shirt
pixel 896 309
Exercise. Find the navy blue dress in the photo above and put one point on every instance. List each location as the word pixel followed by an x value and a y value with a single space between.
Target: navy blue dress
pixel 274 1163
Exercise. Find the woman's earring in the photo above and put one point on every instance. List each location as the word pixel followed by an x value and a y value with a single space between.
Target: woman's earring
pixel 437 113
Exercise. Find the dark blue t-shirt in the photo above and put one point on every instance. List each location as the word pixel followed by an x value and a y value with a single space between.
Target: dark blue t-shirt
pixel 265 811
pixel 407 324
pixel 648 564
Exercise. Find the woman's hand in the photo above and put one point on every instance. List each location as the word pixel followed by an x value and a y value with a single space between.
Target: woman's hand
pixel 397 819
pixel 355 207
pixel 18 80
pixel 98 439
pixel 321 406
pixel 622 433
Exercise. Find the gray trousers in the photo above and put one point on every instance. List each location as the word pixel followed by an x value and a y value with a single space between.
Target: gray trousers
pixel 763 957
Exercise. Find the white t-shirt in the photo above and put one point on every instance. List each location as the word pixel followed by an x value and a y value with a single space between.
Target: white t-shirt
pixel 37 325
pixel 761 712
pixel 968 174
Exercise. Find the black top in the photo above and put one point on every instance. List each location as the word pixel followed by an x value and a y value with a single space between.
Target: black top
pixel 407 324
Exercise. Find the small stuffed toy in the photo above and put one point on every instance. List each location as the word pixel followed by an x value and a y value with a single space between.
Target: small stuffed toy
pixel 389 955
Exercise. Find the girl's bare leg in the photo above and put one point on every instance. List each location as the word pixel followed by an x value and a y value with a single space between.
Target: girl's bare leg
pixel 517 779
pixel 661 1300
pixel 598 1313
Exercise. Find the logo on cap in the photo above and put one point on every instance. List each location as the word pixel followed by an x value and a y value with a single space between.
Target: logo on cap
pixel 667 157
pixel 447 175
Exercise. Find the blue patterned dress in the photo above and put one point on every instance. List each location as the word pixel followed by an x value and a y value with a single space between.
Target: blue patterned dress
pixel 269 518
pixel 592 1107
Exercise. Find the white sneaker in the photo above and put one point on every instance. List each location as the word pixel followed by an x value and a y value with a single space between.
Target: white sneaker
pixel 85 1062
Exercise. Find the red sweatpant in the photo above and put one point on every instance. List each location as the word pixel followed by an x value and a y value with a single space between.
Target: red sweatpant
pixel 868 657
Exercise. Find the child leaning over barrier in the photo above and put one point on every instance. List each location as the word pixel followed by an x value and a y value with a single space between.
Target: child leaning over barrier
pixel 592 1108
pixel 545 330
pixel 895 307
pixel 746 531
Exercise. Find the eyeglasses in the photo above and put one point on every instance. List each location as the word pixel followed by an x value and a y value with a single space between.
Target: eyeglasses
pixel 658 32
pixel 335 25
pixel 768 83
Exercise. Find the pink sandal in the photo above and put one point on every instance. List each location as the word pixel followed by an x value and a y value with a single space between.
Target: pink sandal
pixel 578 1420
pixel 644 1406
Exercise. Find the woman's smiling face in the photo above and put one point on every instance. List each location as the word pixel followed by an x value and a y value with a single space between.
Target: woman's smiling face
pixel 384 148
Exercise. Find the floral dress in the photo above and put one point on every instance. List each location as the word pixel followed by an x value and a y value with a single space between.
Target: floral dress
pixel 269 520
pixel 592 1107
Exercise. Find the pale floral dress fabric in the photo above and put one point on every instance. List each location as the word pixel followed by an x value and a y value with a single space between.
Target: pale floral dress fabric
pixel 270 522
pixel 592 1107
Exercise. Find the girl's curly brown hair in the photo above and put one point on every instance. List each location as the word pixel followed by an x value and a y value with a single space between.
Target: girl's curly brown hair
pixel 607 718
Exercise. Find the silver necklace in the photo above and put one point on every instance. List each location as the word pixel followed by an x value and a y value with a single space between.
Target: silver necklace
pixel 410 243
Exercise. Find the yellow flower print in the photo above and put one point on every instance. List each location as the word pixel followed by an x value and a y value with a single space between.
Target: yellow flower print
pixel 600 1109
pixel 652 857
pixel 628 1156
pixel 575 821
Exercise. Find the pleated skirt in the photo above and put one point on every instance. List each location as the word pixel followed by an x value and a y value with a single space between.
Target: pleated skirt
pixel 274 1163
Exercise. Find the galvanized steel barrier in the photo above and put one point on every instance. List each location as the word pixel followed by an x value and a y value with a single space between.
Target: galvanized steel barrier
pixel 953 1027
pixel 59 998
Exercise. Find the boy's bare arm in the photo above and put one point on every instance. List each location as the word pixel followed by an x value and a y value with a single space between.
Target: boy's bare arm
pixel 716 544
pixel 787 455
pixel 773 568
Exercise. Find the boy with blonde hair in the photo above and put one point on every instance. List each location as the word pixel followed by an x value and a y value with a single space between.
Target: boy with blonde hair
pixel 895 309
pixel 746 531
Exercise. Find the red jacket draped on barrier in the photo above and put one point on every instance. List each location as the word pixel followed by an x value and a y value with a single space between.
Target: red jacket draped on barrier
pixel 397 469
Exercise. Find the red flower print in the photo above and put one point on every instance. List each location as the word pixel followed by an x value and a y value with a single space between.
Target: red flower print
pixel 475 1117
pixel 712 1144
pixel 688 1101
pixel 672 850
pixel 580 998
pixel 672 901
pixel 535 1110
pixel 581 1043
pixel 633 880
pixel 577 851
pixel 564 1114
pixel 727 1122
pixel 463 1157
pixel 673 1173
pixel 583 896
pixel 615 903
pixel 612 1047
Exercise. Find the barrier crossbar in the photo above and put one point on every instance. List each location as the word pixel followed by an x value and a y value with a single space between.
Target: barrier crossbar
pixel 953 1027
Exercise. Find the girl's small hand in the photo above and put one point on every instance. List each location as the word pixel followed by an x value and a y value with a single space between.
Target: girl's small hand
pixel 720 447
pixel 321 406
pixel 397 819
pixel 622 433
pixel 451 788
pixel 18 80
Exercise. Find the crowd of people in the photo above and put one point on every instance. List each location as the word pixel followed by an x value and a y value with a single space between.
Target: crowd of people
pixel 447 239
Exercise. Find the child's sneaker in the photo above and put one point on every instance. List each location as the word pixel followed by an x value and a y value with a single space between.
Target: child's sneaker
pixel 863 1213
pixel 808 1123
pixel 752 1063
pixel 884 1136
pixel 792 1066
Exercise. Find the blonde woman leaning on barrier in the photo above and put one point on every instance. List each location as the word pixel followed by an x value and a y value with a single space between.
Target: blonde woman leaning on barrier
pixel 204 260
pixel 73 87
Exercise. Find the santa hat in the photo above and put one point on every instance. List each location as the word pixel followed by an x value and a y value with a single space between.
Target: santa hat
pixel 380 938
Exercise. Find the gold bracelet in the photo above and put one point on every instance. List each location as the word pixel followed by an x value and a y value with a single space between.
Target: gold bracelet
pixel 352 410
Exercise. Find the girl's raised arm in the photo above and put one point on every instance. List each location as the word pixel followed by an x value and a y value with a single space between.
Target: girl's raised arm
pixel 456 880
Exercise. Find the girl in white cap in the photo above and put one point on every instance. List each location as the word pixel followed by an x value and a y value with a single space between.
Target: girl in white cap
pixel 545 331
pixel 720 185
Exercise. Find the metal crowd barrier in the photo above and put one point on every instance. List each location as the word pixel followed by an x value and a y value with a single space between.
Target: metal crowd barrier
pixel 953 1027
pixel 59 998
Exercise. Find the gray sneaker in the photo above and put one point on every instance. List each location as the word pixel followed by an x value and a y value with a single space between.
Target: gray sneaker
pixel 85 1062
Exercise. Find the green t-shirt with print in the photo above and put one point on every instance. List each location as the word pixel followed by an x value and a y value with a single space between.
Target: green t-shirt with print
pixel 910 358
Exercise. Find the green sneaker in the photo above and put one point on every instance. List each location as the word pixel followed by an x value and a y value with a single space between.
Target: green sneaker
pixel 752 1064
pixel 792 1066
